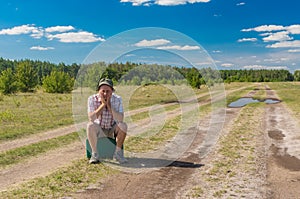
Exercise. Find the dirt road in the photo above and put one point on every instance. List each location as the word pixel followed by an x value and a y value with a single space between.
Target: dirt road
pixel 281 141
pixel 278 175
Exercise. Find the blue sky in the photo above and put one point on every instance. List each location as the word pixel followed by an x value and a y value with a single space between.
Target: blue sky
pixel 237 34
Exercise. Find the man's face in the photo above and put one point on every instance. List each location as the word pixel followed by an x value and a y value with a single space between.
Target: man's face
pixel 105 92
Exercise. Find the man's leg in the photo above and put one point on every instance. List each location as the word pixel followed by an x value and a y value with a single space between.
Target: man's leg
pixel 92 135
pixel 121 131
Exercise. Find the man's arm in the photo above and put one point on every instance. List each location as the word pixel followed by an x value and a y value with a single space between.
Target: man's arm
pixel 119 116
pixel 94 114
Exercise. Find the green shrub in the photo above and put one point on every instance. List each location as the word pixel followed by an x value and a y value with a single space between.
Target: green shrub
pixel 58 82
pixel 8 82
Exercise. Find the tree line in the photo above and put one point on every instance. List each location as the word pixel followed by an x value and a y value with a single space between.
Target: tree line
pixel 28 75
pixel 262 75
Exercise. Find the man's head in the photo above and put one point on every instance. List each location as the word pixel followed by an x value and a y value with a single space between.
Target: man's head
pixel 106 81
pixel 105 88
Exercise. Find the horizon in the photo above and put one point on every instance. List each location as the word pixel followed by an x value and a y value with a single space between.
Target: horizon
pixel 80 64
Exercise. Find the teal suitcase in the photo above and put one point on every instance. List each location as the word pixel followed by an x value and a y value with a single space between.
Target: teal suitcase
pixel 105 148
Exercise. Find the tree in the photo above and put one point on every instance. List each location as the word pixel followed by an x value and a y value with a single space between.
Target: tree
pixel 297 75
pixel 58 82
pixel 8 82
pixel 27 76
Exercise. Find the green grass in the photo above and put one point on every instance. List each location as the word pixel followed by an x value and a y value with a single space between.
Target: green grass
pixel 28 113
pixel 61 183
pixel 22 153
pixel 195 192
pixel 145 114
pixel 289 93
pixel 150 95
pixel 144 142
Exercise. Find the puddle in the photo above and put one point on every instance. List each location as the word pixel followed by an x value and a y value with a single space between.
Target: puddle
pixel 271 101
pixel 248 100
pixel 276 134
pixel 284 159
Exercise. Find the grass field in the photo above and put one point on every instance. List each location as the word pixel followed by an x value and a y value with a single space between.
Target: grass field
pixel 31 113
pixel 23 114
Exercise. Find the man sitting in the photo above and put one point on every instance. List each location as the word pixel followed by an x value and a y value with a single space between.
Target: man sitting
pixel 105 113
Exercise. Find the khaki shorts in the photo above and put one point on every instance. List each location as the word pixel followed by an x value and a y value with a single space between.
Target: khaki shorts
pixel 107 132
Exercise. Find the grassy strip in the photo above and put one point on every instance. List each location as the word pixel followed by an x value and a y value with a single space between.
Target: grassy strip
pixel 261 93
pixel 61 183
pixel 288 92
pixel 143 143
pixel 145 114
pixel 145 96
pixel 19 154
pixel 235 156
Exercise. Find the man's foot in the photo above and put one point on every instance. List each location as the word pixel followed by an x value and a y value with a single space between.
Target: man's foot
pixel 94 159
pixel 120 157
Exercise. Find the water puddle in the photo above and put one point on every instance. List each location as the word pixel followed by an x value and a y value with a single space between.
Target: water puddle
pixel 284 159
pixel 247 100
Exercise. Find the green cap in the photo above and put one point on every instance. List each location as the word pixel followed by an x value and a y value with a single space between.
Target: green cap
pixel 107 82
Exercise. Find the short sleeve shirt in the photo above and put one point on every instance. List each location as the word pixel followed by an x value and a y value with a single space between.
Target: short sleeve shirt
pixel 105 119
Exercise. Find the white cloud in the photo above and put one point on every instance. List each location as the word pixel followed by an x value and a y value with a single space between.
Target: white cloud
pixel 247 39
pixel 162 45
pixel 217 15
pixel 278 36
pixel 41 48
pixel 162 2
pixel 59 28
pixel 293 29
pixel 63 36
pixel 265 28
pixel 177 47
pixel 136 2
pixel 38 33
pixel 265 34
pixel 241 4
pixel 227 65
pixel 294 51
pixel 285 44
pixel 75 37
pixel 270 60
pixel 253 67
pixel 155 42
pixel 216 51
pixel 178 2
pixel 257 67
pixel 18 30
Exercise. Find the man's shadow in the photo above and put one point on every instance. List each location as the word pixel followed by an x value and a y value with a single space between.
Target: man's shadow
pixel 144 163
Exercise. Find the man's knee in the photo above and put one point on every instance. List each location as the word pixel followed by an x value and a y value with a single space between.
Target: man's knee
pixel 122 126
pixel 91 128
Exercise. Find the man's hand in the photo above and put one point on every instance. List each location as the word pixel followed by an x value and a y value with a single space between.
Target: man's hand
pixel 108 104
